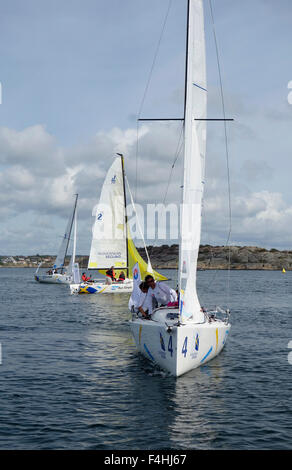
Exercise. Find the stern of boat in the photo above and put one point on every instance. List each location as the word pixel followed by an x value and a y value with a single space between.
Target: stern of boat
pixel 53 278
pixel 102 288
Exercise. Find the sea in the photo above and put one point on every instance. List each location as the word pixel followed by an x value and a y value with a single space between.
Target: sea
pixel 71 378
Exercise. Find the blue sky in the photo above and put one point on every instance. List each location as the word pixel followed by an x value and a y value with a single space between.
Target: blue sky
pixel 73 74
pixel 78 67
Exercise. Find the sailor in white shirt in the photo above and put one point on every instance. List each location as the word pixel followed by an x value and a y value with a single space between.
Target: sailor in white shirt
pixel 140 302
pixel 158 293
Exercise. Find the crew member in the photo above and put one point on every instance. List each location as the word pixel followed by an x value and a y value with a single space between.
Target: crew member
pixel 85 278
pixel 161 293
pixel 110 274
pixel 141 303
pixel 121 277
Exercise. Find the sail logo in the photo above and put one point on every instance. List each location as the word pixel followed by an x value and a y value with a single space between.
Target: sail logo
pixel 135 274
pixel 114 179
pixel 197 343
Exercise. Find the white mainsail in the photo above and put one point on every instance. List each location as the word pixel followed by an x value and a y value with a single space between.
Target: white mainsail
pixel 109 237
pixel 60 260
pixel 194 164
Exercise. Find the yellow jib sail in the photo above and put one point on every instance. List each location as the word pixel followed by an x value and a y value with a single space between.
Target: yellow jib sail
pixel 134 257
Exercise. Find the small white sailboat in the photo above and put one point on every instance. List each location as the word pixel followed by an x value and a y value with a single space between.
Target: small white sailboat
pixel 182 338
pixel 112 245
pixel 59 273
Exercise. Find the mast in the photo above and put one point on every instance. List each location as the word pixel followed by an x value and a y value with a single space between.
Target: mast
pixel 125 205
pixel 187 49
pixel 74 237
pixel 70 230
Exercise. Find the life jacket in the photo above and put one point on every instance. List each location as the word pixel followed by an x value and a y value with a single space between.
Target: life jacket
pixel 111 273
pixel 84 278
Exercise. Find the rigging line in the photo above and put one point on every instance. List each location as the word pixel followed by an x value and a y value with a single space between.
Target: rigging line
pixel 226 145
pixel 139 226
pixel 176 156
pixel 147 87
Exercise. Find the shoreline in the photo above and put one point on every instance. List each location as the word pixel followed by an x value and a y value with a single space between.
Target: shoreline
pixel 242 258
pixel 165 268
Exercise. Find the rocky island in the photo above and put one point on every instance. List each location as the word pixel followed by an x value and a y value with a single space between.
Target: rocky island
pixel 166 257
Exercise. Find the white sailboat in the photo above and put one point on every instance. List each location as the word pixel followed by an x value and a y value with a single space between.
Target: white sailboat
pixel 59 273
pixel 112 246
pixel 182 338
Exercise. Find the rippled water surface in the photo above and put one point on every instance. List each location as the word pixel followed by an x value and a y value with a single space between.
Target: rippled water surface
pixel 71 378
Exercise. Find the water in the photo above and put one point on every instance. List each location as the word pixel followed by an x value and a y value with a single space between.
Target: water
pixel 71 377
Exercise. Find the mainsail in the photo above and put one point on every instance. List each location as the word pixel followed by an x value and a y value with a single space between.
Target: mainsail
pixel 112 244
pixel 109 238
pixel 194 163
pixel 60 260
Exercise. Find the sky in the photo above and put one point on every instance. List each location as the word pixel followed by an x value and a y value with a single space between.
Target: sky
pixel 73 76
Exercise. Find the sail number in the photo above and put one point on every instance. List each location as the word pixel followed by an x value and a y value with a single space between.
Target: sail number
pixel 185 347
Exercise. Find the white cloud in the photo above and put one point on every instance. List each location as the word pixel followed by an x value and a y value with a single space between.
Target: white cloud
pixel 16 177
pixel 261 217
pixel 32 147
pixel 32 200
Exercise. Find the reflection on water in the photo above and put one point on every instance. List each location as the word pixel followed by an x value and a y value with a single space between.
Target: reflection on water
pixel 195 395
pixel 180 410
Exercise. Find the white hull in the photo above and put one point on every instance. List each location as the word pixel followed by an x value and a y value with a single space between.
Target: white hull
pixel 53 278
pixel 178 349
pixel 102 287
